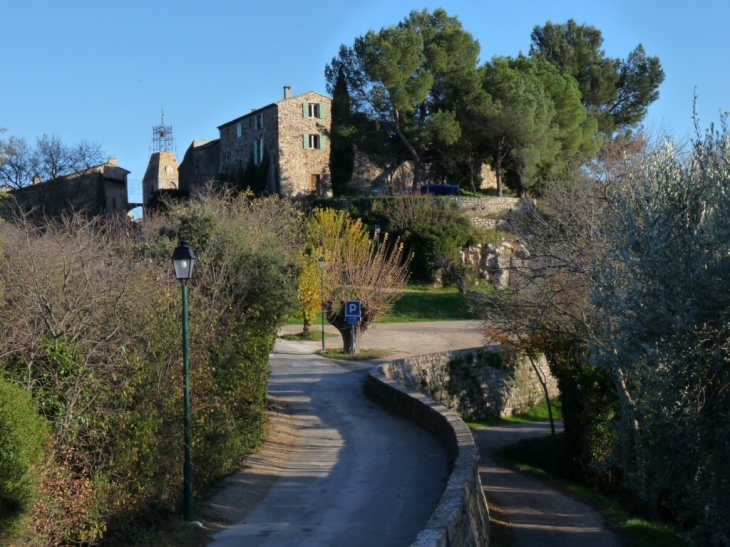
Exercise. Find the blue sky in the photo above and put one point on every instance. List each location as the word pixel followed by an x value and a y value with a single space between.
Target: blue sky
pixel 103 70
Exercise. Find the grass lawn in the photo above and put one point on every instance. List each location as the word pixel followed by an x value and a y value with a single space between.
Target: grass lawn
pixel 315 335
pixel 362 355
pixel 538 413
pixel 419 304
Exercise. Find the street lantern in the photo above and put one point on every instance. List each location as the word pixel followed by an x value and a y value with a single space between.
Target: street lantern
pixel 321 264
pixel 183 260
pixel 377 237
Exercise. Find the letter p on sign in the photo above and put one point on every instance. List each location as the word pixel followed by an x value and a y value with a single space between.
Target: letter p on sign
pixel 352 308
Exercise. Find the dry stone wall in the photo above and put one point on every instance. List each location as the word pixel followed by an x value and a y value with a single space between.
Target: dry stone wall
pixel 421 387
pixel 282 127
pixel 297 164
pixel 467 382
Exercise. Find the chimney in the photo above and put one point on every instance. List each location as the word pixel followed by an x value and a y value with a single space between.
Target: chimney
pixel 112 161
pixel 287 92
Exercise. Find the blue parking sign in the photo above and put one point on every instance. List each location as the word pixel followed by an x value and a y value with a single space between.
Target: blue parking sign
pixel 353 310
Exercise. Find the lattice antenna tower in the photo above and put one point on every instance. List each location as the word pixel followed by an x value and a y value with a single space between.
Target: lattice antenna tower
pixel 162 136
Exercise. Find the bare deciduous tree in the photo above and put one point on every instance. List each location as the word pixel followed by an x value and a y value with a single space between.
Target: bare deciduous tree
pixel 355 270
pixel 48 160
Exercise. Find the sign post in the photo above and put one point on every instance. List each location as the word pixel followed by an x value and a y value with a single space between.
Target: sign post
pixel 353 313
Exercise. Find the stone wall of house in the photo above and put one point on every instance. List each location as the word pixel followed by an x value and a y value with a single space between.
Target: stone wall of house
pixel 93 191
pixel 236 151
pixel 293 167
pixel 374 179
pixel 476 383
pixel 116 197
pixel 200 164
pixel 297 165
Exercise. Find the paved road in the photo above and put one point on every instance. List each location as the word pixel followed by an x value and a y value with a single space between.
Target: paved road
pixel 359 476
pixel 538 514
pixel 362 477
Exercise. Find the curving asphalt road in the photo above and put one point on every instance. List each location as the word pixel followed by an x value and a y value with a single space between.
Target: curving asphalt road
pixel 359 476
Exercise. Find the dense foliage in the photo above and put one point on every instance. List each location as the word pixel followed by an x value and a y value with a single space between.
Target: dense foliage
pixel 662 297
pixel 23 435
pixel 417 93
pixel 626 294
pixel 91 316
pixel 342 150
pixel 433 233
pixel 617 92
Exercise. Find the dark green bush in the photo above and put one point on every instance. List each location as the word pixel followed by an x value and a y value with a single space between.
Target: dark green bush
pixel 589 405
pixel 435 246
pixel 23 434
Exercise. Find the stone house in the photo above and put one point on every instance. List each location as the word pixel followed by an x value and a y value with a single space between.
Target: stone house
pixel 101 189
pixel 290 136
pixel 200 163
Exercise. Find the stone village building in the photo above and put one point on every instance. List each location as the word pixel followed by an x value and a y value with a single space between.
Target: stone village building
pixel 292 132
pixel 101 189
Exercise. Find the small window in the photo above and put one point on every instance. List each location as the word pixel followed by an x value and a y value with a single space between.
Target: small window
pixel 257 122
pixel 316 142
pixel 238 130
pixel 314 110
pixel 258 151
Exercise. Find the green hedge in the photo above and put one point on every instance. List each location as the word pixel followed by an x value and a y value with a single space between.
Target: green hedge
pixel 23 434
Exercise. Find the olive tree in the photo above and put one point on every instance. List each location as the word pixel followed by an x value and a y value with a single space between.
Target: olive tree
pixel 663 296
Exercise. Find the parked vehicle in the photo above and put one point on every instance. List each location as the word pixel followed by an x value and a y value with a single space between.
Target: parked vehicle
pixel 440 189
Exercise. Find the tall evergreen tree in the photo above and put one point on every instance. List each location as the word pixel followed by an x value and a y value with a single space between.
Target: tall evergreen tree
pixel 342 153
pixel 617 92
pixel 519 126
pixel 411 81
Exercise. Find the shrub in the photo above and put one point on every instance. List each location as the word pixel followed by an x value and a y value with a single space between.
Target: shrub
pixel 91 322
pixel 23 434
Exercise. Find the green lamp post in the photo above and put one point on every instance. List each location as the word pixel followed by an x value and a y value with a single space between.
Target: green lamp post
pixel 183 260
pixel 321 263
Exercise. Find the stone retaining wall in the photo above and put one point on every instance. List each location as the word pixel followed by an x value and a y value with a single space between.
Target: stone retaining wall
pixel 461 518
pixel 488 213
pixel 476 383
pixel 486 207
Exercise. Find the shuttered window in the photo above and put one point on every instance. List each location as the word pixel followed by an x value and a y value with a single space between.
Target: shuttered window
pixel 314 110
pixel 317 142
